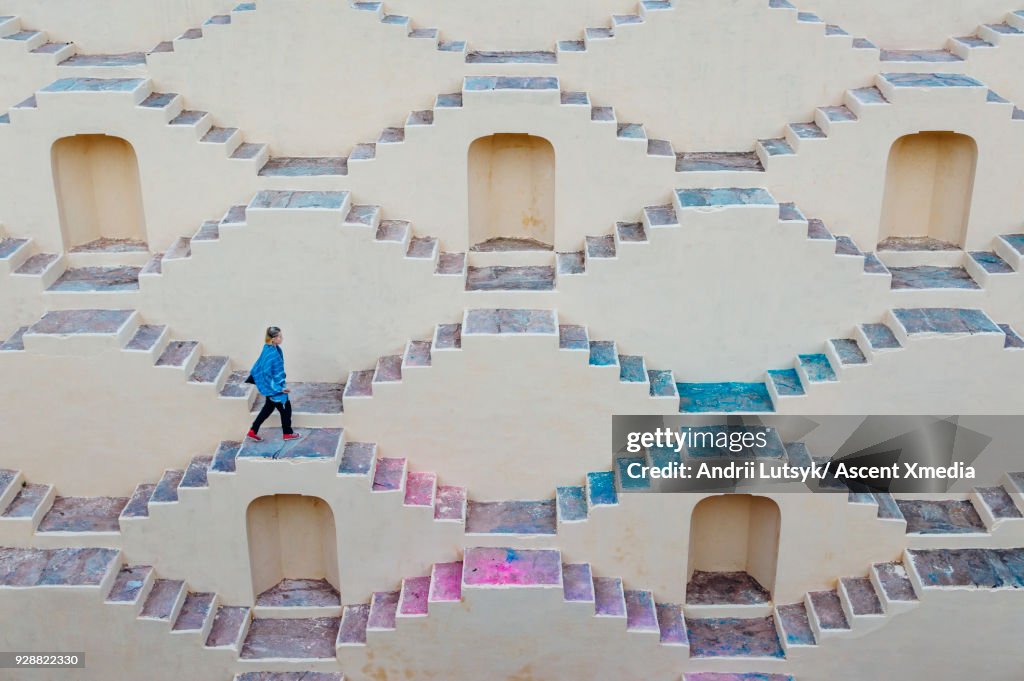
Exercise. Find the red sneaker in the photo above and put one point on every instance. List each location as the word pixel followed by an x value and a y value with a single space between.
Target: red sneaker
pixel 292 436
pixel 253 436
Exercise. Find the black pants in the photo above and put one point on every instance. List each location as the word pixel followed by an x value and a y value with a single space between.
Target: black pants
pixel 269 406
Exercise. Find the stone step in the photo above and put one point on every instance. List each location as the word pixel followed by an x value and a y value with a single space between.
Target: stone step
pixel 509 322
pixel 166 491
pixel 97 279
pixel 609 597
pixel 968 568
pixel 450 504
pixel 506 278
pixel 510 57
pixel 224 459
pixel 641 614
pixel 15 342
pixel 383 611
pixel 451 264
pixel 724 397
pixel 83 514
pixel 730 676
pixel 888 508
pixel 389 475
pixel 998 503
pixel 209 369
pixel 511 517
pixel 733 638
pixel 352 628
pixel 319 166
pixel 31 502
pixel 306 397
pixel 794 625
pixel 571 504
pixel 725 588
pixel 718 161
pixel 357 458
pixel 138 504
pixel 195 612
pixel 893 583
pixel 230 625
pixel 165 600
pixel 131 584
pixel 196 475
pixel 417 354
pixel 930 277
pixel 941 517
pixel 420 489
pixel 826 613
pixel 180 355
pixel 485 567
pixel 815 368
pixel 290 676
pixel 671 626
pixel 860 597
pixel 389 369
pixel 413 598
pixel 315 444
pixel 88 567
pixel 147 338
pixel 299 593
pixel 601 489
pixel 446 582
pixel 577 583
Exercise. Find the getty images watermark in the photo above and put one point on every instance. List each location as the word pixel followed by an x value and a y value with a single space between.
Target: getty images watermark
pixel 821 453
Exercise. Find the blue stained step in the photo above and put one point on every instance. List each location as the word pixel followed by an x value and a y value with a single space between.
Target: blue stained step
pixel 945 320
pixel 572 503
pixel 817 368
pixel 631 369
pixel 848 351
pixel 602 353
pixel 724 397
pixel 786 381
pixel 880 336
pixel 991 263
pixel 626 482
pixel 724 196
pixel 601 489
pixel 662 383
pixel 795 625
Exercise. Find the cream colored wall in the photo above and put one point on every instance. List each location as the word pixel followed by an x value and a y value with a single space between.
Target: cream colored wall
pixel 511 188
pixel 763 543
pixel 264 534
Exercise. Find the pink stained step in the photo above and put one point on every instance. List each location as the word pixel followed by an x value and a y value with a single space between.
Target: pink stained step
pixel 383 607
pixel 388 475
pixel 419 489
pixel 640 612
pixel 487 566
pixel 353 625
pixel 414 596
pixel 450 503
pixel 446 583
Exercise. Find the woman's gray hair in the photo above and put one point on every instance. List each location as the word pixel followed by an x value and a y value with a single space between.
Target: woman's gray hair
pixel 273 332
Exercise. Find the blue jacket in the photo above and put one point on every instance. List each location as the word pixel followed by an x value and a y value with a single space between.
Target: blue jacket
pixel 268 373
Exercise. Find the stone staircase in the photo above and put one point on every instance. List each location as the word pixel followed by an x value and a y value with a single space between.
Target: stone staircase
pixel 154 344
pixel 813 370
pixel 899 328
pixel 861 604
pixel 865 101
pixel 504 568
pixel 987 37
pixel 66 55
pixel 447 339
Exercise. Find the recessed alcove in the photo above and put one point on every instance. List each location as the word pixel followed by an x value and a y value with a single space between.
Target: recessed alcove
pixel 734 550
pixel 98 193
pixel 293 554
pixel 929 182
pixel 511 193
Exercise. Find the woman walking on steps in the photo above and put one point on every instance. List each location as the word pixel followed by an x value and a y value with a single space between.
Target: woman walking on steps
pixel 268 375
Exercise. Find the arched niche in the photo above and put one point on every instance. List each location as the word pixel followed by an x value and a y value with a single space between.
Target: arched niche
pixel 929 181
pixel 734 550
pixel 511 193
pixel 98 193
pixel 293 555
